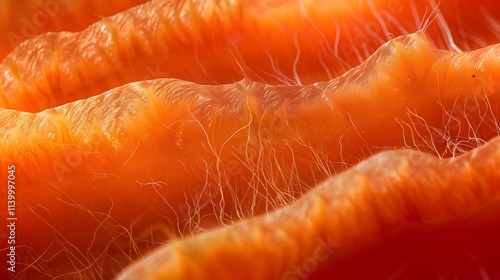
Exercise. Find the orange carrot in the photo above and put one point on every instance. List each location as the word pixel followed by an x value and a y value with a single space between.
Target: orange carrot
pixel 383 198
pixel 192 157
pixel 22 20
pixel 100 179
pixel 210 42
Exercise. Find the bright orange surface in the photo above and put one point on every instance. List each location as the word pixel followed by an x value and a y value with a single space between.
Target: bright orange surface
pixel 256 116
pixel 22 20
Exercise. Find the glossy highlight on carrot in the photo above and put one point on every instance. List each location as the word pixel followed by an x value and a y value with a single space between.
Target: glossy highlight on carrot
pixel 112 163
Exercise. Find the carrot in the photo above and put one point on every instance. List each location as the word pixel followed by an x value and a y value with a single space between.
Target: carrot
pixel 347 216
pixel 20 21
pixel 210 42
pixel 167 158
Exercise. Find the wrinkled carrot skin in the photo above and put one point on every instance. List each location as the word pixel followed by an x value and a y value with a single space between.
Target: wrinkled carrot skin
pixel 151 127
pixel 355 217
pixel 66 208
pixel 211 42
pixel 22 20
